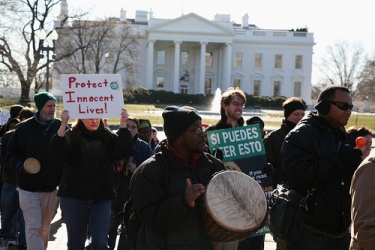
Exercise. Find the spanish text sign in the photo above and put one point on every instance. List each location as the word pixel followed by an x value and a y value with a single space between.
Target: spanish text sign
pixel 92 95
pixel 237 143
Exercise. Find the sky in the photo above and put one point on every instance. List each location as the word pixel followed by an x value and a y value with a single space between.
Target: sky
pixel 330 20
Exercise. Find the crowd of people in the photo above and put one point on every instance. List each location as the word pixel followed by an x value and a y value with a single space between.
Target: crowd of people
pixel 90 172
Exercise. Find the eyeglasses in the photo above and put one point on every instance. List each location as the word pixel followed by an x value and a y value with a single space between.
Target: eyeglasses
pixel 238 104
pixel 199 130
pixel 342 105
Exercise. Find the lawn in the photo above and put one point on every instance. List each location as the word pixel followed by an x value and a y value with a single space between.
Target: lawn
pixel 272 118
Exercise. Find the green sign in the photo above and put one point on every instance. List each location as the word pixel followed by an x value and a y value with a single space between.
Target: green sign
pixel 237 143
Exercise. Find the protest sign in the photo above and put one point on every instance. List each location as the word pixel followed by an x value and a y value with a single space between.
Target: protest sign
pixel 242 147
pixel 92 95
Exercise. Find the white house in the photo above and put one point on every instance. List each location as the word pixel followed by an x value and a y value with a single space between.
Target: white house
pixel 193 55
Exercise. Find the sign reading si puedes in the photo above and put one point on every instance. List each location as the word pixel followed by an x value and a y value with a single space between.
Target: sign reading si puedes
pixel 243 150
pixel 92 95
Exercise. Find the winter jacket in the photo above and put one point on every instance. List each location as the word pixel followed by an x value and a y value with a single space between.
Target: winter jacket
pixel 315 155
pixel 31 139
pixel 88 172
pixel 362 209
pixel 221 124
pixel 8 172
pixel 272 144
pixel 158 194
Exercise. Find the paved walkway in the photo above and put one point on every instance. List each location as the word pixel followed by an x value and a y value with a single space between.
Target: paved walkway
pixel 58 237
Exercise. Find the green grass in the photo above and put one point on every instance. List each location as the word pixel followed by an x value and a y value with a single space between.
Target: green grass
pixel 271 118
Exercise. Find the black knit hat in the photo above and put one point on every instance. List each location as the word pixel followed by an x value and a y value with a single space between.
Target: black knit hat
pixel 41 98
pixel 15 110
pixel 177 120
pixel 293 106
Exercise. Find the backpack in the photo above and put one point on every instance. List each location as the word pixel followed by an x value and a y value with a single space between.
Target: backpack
pixel 131 221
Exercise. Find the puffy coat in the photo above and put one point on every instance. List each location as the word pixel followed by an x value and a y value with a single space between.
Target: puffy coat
pixel 31 139
pixel 89 173
pixel 315 155
pixel 158 194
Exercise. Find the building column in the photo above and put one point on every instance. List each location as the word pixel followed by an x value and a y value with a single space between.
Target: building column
pixel 202 69
pixel 176 68
pixel 150 64
pixel 228 65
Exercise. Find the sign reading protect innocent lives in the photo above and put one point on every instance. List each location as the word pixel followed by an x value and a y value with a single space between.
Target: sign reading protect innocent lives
pixel 92 95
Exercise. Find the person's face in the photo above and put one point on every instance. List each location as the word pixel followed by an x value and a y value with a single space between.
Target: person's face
pixel 153 134
pixel 47 113
pixel 367 148
pixel 234 110
pixel 296 116
pixel 105 122
pixel 91 124
pixel 194 138
pixel 144 134
pixel 132 127
pixel 336 116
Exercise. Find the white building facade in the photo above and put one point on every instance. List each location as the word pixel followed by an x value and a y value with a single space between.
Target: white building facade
pixel 193 55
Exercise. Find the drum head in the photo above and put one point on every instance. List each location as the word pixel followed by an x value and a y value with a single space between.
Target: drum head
pixel 31 165
pixel 236 201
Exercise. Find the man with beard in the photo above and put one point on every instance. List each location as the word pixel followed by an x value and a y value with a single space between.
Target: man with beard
pixel 37 190
pixel 231 108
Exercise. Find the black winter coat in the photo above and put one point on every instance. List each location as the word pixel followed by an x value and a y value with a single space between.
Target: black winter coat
pixel 315 155
pixel 89 173
pixel 272 144
pixel 32 139
pixel 158 194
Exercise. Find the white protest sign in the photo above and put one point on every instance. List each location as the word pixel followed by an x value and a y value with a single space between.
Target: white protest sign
pixel 92 95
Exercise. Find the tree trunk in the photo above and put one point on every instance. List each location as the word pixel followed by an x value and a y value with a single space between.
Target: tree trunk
pixel 25 92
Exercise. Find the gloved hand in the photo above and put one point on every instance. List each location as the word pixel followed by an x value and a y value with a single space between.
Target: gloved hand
pixel 218 153
pixel 268 169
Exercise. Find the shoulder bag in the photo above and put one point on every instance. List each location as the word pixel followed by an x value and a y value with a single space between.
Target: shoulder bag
pixel 287 209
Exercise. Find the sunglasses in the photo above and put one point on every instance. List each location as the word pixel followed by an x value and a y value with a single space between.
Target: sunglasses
pixel 342 105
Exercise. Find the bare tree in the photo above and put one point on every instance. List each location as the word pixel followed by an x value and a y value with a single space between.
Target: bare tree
pixel 104 46
pixel 342 64
pixel 19 44
pixel 366 86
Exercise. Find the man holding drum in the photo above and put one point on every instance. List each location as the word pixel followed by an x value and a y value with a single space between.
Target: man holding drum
pixel 167 192
pixel 38 180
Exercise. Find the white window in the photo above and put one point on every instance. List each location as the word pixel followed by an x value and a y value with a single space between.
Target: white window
pixel 237 62
pixel 208 59
pixel 207 86
pixel 297 89
pixel 184 58
pixel 298 63
pixel 278 61
pixel 258 61
pixel 161 57
pixel 276 88
pixel 160 82
pixel 237 83
pixel 184 89
pixel 256 90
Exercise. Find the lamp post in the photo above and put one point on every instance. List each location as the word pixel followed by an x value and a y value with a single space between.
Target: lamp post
pixel 42 37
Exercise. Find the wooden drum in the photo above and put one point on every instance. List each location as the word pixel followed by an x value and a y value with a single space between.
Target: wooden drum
pixel 235 206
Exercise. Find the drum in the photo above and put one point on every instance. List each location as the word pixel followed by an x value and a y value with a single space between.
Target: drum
pixel 235 206
pixel 31 165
